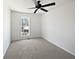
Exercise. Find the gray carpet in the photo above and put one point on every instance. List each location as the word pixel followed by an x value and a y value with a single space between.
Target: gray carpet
pixel 35 49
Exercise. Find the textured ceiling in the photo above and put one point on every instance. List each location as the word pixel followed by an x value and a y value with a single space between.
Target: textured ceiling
pixel 23 5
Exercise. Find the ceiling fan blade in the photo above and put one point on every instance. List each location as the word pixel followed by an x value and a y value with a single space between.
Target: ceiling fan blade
pixel 44 9
pixel 35 10
pixel 50 4
pixel 32 8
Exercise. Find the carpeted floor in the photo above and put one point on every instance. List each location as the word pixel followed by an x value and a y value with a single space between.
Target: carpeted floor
pixel 35 49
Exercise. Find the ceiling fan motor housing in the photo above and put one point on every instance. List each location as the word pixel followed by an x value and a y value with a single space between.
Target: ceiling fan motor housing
pixel 38 6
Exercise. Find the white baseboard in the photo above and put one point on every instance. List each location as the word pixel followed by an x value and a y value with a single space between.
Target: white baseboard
pixel 58 46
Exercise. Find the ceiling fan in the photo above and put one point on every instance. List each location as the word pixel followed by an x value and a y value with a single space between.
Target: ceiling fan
pixel 40 6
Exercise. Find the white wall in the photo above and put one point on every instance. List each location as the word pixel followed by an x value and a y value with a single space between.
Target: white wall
pixel 58 27
pixel 34 25
pixel 6 27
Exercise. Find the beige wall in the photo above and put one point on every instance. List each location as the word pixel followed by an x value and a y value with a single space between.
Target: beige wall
pixel 6 26
pixel 35 20
pixel 58 27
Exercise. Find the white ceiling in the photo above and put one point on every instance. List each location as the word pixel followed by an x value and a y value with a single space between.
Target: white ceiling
pixel 23 5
